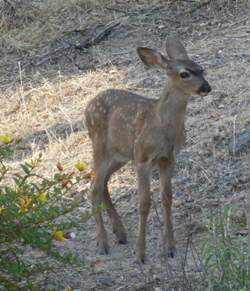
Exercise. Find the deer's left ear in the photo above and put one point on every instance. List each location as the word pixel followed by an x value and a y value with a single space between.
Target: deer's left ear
pixel 175 49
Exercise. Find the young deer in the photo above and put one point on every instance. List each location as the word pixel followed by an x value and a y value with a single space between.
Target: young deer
pixel 125 126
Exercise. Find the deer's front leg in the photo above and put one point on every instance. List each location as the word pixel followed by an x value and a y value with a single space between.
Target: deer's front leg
pixel 166 171
pixel 144 202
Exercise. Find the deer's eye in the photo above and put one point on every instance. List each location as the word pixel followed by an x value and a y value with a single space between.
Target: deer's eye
pixel 184 75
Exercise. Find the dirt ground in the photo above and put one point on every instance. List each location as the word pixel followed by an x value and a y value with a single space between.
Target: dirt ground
pixel 48 76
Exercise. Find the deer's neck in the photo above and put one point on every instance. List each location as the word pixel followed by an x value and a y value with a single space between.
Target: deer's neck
pixel 172 105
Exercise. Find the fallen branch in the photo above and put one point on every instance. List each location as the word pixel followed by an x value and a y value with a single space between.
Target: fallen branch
pixel 100 36
pixel 86 44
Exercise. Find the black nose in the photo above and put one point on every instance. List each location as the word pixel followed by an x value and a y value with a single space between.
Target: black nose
pixel 206 88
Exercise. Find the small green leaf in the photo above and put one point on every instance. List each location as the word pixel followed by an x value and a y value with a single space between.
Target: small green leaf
pixel 25 169
pixel 17 182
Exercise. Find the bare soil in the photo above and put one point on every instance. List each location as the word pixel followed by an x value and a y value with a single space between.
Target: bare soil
pixel 48 75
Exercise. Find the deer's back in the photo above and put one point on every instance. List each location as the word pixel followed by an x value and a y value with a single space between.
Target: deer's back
pixel 116 110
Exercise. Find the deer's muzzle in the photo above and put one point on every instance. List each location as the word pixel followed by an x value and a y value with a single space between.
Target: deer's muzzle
pixel 205 89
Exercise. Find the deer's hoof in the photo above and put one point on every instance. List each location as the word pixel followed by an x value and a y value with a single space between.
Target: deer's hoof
pixel 140 258
pixel 171 254
pixel 123 241
pixel 103 247
pixel 169 251
pixel 103 252
pixel 142 261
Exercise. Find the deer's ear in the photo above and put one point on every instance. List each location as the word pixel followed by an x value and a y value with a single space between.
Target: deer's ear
pixel 175 49
pixel 152 58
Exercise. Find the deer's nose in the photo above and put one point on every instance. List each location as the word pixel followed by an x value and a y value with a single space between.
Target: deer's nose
pixel 206 88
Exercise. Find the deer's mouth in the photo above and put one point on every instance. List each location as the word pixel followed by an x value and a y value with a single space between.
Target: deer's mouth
pixel 205 89
pixel 202 93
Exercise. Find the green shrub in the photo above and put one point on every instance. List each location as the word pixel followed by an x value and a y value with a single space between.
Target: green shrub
pixel 226 258
pixel 29 212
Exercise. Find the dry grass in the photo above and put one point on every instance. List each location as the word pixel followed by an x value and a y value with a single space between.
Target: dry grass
pixel 44 94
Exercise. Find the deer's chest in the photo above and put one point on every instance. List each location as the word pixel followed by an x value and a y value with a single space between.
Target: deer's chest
pixel 157 145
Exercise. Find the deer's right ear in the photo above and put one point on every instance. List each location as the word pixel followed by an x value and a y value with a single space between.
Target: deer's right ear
pixel 152 58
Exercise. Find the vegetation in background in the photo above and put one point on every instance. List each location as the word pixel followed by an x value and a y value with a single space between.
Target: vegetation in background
pixel 226 257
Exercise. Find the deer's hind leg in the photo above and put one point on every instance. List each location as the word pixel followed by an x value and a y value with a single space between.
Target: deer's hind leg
pixel 104 167
pixel 117 225
pixel 97 193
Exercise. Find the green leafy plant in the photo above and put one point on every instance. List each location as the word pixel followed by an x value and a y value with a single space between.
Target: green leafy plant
pixel 30 208
pixel 226 258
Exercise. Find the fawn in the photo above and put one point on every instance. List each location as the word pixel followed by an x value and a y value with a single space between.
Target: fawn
pixel 125 126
